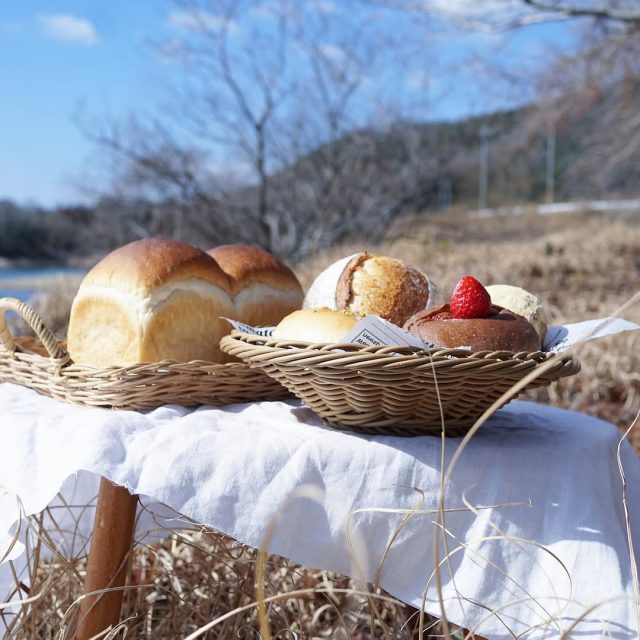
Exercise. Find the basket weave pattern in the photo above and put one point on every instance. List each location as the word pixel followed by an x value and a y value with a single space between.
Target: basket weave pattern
pixel 43 364
pixel 395 390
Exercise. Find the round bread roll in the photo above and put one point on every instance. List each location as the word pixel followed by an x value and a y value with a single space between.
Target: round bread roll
pixel 315 325
pixel 501 330
pixel 264 290
pixel 150 300
pixel 371 284
pixel 522 302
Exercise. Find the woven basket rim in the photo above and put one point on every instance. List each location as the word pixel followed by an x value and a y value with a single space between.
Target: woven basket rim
pixel 43 363
pixel 66 362
pixel 384 352
pixel 397 390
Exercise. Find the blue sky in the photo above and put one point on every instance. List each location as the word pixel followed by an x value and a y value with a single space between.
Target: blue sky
pixel 61 60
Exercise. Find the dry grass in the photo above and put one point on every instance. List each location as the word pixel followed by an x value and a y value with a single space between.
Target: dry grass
pixel 193 577
pixel 582 266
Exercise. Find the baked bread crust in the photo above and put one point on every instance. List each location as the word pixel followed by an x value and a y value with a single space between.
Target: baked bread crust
pixel 144 265
pixel 522 302
pixel 503 330
pixel 374 284
pixel 151 300
pixel 264 289
pixel 322 325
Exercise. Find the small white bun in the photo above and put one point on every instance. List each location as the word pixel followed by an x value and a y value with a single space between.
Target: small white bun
pixel 369 284
pixel 522 302
pixel 315 325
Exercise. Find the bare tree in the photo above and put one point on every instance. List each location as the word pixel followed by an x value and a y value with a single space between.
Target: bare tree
pixel 506 15
pixel 269 133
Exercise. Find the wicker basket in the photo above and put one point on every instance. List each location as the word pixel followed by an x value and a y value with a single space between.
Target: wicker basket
pixel 396 390
pixel 44 364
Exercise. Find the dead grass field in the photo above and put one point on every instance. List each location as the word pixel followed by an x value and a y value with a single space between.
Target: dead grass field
pixel 582 266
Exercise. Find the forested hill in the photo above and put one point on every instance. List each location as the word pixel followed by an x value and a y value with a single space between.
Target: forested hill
pixel 582 148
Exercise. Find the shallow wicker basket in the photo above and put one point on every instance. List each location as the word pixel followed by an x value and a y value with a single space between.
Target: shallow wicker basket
pixel 396 390
pixel 44 364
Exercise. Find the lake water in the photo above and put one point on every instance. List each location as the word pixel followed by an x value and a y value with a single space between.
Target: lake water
pixel 8 277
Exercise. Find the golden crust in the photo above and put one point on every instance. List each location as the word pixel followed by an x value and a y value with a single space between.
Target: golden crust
pixel 149 263
pixel 384 286
pixel 264 290
pixel 247 264
pixel 153 299
pixel 503 330
pixel 322 325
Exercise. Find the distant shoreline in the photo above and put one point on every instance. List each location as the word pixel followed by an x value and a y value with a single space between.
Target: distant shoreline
pixel 71 262
pixel 39 279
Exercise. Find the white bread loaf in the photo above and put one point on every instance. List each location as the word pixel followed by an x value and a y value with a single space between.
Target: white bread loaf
pixel 366 284
pixel 150 300
pixel 315 325
pixel 264 290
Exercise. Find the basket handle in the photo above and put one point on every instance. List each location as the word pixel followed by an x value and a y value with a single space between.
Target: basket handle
pixel 27 313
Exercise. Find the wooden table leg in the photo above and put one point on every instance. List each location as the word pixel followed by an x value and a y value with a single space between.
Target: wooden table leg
pixel 111 545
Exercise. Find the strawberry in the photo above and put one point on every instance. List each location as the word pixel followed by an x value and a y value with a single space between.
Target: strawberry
pixel 470 299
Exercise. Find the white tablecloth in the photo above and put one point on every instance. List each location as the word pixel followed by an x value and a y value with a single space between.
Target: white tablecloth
pixel 536 527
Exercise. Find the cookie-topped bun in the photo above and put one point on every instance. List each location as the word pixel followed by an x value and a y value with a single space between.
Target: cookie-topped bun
pixel 522 302
pixel 264 290
pixel 470 320
pixel 315 325
pixel 366 283
pixel 150 300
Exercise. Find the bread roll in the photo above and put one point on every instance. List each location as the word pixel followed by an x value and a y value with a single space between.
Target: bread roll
pixel 264 290
pixel 150 300
pixel 501 330
pixel 371 284
pixel 522 302
pixel 315 325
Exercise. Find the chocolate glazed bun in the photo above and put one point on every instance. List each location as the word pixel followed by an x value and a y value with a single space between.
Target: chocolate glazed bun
pixel 502 330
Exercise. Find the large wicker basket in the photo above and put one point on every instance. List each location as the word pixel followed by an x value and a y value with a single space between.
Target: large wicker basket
pixel 396 390
pixel 44 364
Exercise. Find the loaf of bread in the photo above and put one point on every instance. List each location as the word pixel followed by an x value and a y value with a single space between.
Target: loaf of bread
pixel 315 325
pixel 150 300
pixel 263 289
pixel 159 299
pixel 372 284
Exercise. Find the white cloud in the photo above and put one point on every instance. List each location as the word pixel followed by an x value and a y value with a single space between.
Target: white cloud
pixel 70 28
pixel 326 6
pixel 201 21
pixel 174 51
pixel 232 173
pixel 495 13
pixel 332 52
pixel 466 8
